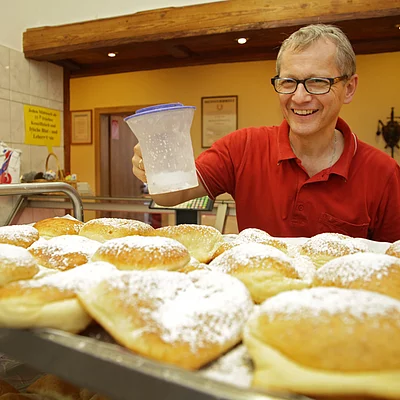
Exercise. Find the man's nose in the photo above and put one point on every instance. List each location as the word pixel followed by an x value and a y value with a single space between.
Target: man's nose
pixel 301 93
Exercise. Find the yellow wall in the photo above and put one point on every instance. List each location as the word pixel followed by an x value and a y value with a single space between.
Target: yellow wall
pixel 378 91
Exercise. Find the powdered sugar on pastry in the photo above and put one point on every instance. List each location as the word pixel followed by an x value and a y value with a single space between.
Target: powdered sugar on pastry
pixel 80 278
pixel 143 252
pixel 149 244
pixel 198 308
pixel 394 249
pixel 18 235
pixel 253 235
pixel 64 252
pixel 248 255
pixel 15 256
pixel 321 301
pixel 235 368
pixel 333 244
pixel 304 267
pixel 352 267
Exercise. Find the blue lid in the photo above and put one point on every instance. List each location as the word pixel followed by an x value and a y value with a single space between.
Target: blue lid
pixel 158 108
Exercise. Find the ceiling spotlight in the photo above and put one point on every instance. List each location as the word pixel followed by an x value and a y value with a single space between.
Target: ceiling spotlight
pixel 112 54
pixel 242 40
pixel 398 26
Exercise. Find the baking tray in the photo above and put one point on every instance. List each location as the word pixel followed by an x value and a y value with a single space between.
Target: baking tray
pixel 112 370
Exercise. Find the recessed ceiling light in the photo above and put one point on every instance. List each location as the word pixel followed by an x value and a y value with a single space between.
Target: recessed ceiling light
pixel 112 54
pixel 242 40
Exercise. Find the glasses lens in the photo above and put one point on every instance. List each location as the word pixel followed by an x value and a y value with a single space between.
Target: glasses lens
pixel 317 85
pixel 285 85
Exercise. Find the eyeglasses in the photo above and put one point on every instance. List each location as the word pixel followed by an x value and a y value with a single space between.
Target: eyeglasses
pixel 312 85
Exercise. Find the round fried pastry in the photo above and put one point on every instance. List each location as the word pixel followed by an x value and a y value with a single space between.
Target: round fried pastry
pixel 18 235
pixel 64 252
pixel 327 341
pixel 51 301
pixel 142 253
pixel 200 240
pixel 254 235
pixel 16 263
pixel 264 269
pixel 369 271
pixel 181 319
pixel 56 226
pixel 394 249
pixel 324 247
pixel 103 229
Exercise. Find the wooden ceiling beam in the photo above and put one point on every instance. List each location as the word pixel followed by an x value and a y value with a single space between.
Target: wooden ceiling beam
pixel 60 42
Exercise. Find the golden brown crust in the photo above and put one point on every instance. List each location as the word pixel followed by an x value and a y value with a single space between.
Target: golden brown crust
pixel 52 387
pixel 51 301
pixel 56 226
pixel 193 265
pixel 181 319
pixel 64 252
pixel 264 269
pixel 142 253
pixel 324 247
pixel 222 247
pixel 200 240
pixel 394 249
pixel 254 235
pixel 16 263
pixel 369 271
pixel 327 341
pixel 18 235
pixel 103 229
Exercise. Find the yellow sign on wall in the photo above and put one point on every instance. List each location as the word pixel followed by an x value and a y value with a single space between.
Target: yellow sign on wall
pixel 42 126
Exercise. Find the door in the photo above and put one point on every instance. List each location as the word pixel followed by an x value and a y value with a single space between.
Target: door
pixel 117 179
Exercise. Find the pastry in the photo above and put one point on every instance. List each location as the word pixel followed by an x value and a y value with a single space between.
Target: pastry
pixel 51 301
pixel 339 343
pixel 264 269
pixel 200 240
pixel 64 252
pixel 324 247
pixel 250 235
pixel 142 253
pixel 183 319
pixel 51 227
pixel 18 235
pixel 394 249
pixel 369 271
pixel 103 229
pixel 16 263
pixel 53 388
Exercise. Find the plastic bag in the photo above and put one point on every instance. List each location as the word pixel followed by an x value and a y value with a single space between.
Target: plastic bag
pixel 10 164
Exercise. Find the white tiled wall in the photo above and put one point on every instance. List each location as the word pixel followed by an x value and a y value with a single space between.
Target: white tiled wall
pixel 22 82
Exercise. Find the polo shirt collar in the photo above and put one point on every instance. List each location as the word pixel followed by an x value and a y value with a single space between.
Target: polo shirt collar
pixel 341 167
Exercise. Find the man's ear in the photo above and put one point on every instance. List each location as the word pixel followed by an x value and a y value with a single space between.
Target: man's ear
pixel 350 89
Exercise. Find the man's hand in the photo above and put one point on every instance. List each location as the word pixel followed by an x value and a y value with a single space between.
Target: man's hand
pixel 137 164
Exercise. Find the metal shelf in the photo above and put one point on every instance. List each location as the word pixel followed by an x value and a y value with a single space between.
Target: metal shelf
pixel 116 372
pixel 23 190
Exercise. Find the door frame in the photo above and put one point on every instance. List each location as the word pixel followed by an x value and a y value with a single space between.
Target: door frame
pixel 98 113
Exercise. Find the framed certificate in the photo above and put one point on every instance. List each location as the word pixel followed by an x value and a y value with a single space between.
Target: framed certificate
pixel 219 116
pixel 81 127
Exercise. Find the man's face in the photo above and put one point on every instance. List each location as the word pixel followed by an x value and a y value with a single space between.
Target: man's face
pixel 309 114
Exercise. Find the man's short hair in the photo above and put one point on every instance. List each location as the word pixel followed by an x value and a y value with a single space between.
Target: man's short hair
pixel 306 36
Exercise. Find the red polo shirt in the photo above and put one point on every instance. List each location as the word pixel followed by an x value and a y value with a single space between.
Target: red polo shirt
pixel 359 196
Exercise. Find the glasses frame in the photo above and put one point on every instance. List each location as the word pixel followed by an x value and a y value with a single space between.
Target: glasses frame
pixel 332 81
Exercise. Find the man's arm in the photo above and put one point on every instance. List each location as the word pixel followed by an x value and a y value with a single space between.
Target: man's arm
pixel 165 199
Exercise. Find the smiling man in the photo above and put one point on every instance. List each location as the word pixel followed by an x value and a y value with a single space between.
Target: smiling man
pixel 311 174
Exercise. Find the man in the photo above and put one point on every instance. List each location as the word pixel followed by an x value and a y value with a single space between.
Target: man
pixel 310 174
